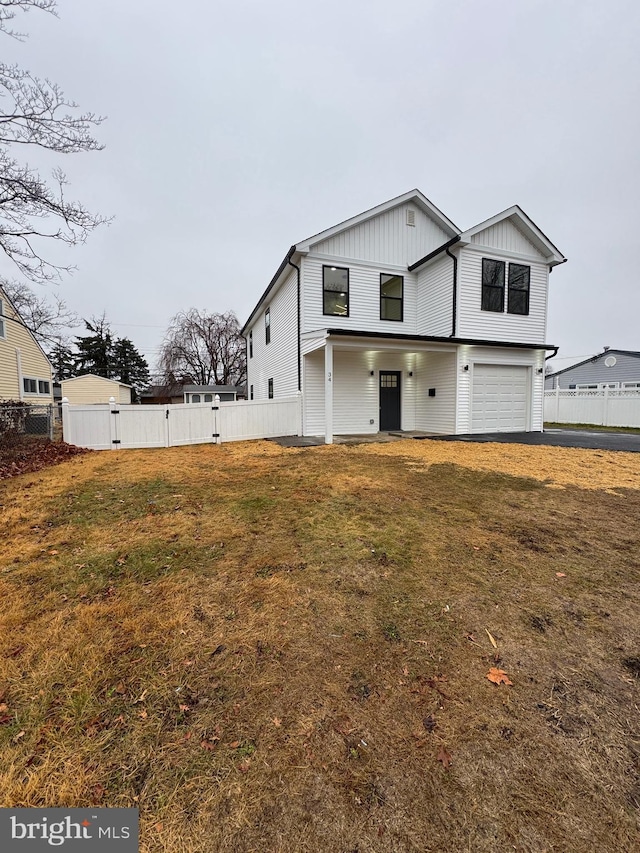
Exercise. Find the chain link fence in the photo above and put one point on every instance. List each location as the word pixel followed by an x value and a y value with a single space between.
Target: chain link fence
pixel 18 420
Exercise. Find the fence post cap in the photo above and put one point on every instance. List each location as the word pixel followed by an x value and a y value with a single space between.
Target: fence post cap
pixel 112 400
pixel 65 401
pixel 217 398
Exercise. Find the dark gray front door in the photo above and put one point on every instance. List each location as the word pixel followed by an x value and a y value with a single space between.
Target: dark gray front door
pixel 389 399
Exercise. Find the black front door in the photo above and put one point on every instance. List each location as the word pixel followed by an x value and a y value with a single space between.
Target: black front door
pixel 389 399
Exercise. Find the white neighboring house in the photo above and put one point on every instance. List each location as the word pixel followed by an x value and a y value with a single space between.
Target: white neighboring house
pixel 397 320
pixel 89 388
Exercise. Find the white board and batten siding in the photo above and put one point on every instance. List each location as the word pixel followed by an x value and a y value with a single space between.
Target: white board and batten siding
pixel 387 238
pixel 364 299
pixel 437 371
pixel 435 298
pixel 277 360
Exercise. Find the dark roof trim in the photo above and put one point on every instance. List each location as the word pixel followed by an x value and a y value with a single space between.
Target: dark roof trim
pixel 351 333
pixel 593 358
pixel 435 252
pixel 270 286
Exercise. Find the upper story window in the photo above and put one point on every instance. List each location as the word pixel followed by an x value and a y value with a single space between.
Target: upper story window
pixel 251 344
pixel 267 326
pixel 518 294
pixel 391 297
pixel 335 291
pixel 492 285
pixel 270 389
pixel 3 333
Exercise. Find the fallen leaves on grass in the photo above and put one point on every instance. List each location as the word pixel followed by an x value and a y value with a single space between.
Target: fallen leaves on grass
pixel 33 455
pixel 560 575
pixel 493 642
pixel 444 758
pixel 498 676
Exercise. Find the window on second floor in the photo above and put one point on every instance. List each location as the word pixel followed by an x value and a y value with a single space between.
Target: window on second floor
pixel 335 291
pixel 271 389
pixel 494 274
pixel 518 294
pixel 251 344
pixel 391 297
pixel 267 326
pixel 492 285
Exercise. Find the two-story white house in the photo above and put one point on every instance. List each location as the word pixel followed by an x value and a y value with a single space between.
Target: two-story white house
pixel 397 320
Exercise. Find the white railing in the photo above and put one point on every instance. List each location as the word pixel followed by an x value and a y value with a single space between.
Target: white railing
pixel 116 427
pixel 607 407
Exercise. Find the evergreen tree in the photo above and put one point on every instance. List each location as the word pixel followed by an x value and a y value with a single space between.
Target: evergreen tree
pixel 128 365
pixel 63 361
pixel 95 352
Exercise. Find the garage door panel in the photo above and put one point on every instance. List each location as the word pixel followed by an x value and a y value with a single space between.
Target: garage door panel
pixel 499 398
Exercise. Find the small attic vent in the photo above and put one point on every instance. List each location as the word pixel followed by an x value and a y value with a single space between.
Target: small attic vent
pixel 411 217
pixel 610 361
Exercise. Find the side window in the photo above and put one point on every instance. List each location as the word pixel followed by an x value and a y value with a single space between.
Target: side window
pixel 43 387
pixel 518 294
pixel 251 344
pixel 208 398
pixel 271 389
pixel 267 326
pixel 391 297
pixel 3 333
pixel 30 386
pixel 492 285
pixel 335 291
pixel 251 392
pixel 195 398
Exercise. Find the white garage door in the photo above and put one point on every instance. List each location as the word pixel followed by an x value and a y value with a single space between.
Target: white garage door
pixel 499 398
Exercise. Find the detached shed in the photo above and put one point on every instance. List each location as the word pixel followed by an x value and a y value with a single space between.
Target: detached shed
pixel 87 389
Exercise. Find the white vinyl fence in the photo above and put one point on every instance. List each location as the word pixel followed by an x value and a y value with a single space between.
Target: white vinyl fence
pixel 118 426
pixel 606 407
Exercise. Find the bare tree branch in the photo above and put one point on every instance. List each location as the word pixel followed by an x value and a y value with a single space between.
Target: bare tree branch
pixel 205 349
pixel 35 112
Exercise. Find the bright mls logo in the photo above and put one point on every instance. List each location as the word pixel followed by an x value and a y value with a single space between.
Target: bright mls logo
pixel 80 830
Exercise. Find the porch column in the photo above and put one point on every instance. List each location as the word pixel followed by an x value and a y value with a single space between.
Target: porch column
pixel 328 393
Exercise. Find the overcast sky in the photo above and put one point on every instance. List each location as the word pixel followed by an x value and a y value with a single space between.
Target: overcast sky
pixel 237 128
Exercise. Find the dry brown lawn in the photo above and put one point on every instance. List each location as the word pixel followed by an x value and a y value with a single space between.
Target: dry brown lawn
pixel 268 649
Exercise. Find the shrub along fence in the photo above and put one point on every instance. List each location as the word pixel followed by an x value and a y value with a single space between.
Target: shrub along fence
pixel 117 427
pixel 606 407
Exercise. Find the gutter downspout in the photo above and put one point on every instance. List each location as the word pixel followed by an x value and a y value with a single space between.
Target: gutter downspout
pixel 297 268
pixel 455 291
pixel 553 354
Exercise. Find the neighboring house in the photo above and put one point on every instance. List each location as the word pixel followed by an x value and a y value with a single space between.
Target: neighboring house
pixel 397 320
pixel 616 369
pixel 25 370
pixel 89 388
pixel 190 393
pixel 162 394
pixel 206 393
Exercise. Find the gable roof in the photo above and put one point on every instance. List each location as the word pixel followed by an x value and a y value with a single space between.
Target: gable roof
pixel 22 323
pixel 593 359
pixel 526 226
pixel 96 376
pixel 415 196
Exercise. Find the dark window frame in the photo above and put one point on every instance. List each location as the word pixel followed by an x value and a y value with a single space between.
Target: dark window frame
pixel 489 290
pixel 514 292
pixel 251 344
pixel 270 389
pixel 267 326
pixel 251 392
pixel 333 268
pixel 385 299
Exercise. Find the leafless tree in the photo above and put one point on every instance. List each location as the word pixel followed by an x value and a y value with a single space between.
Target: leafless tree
pixel 49 319
pixel 204 349
pixel 34 113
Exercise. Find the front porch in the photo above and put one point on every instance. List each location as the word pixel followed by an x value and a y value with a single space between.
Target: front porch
pixel 359 388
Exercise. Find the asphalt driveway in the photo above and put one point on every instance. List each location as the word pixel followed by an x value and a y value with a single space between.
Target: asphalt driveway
pixel 587 439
